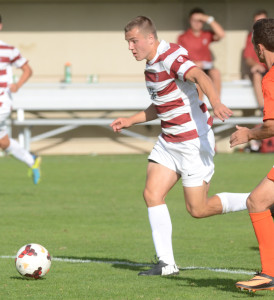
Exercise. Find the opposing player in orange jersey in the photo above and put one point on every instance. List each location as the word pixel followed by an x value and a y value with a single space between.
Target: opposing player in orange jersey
pixel 262 197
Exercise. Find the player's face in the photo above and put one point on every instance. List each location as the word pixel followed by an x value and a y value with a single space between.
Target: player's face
pixel 139 44
pixel 196 23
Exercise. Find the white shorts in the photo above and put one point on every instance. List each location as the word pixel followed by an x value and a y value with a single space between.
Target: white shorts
pixel 193 159
pixel 5 110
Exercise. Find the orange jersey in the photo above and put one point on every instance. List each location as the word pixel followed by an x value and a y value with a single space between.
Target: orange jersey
pixel 268 93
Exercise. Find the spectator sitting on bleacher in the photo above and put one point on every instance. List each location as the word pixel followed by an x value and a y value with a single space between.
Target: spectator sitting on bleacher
pixel 196 41
pixel 256 69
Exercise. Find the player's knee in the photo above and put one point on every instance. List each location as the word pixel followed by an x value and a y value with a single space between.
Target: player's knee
pixel 152 197
pixel 148 195
pixel 195 212
pixel 256 204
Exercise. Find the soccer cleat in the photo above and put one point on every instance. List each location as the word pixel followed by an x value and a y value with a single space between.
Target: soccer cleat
pixel 161 269
pixel 259 282
pixel 35 169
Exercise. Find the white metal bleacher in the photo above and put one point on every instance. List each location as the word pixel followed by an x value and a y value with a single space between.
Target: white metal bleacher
pixel 106 98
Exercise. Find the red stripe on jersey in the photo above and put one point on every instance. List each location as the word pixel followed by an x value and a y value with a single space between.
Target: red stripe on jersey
pixel 210 121
pixel 182 137
pixel 6 47
pixel 3 84
pixel 4 59
pixel 203 107
pixel 168 89
pixel 3 72
pixel 169 106
pixel 173 48
pixel 182 119
pixel 181 59
pixel 17 57
pixel 157 77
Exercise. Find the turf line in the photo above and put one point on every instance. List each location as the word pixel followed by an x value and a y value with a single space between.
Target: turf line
pixel 125 263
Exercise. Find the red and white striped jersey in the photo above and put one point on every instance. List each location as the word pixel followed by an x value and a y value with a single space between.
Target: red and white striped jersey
pixel 9 56
pixel 183 116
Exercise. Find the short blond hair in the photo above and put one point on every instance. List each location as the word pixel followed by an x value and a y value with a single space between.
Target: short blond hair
pixel 144 24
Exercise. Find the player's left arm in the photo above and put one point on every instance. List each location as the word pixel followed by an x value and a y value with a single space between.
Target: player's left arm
pixel 197 76
pixel 26 74
pixel 243 134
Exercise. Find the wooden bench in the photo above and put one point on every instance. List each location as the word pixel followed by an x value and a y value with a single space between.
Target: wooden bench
pixel 104 99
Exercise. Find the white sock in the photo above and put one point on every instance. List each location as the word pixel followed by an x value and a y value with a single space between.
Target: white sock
pixel 20 153
pixel 233 201
pixel 161 227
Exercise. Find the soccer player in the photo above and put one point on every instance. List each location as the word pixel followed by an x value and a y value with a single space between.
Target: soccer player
pixel 10 56
pixel 186 146
pixel 262 197
pixel 256 69
pixel 196 41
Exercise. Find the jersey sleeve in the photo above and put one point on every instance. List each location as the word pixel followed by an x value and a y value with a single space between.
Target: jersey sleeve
pixel 16 58
pixel 268 93
pixel 180 66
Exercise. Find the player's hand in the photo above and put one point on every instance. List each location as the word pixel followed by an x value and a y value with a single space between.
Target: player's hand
pixel 120 123
pixel 14 87
pixel 222 112
pixel 240 136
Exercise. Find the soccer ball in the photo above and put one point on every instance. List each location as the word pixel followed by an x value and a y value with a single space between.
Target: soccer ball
pixel 33 261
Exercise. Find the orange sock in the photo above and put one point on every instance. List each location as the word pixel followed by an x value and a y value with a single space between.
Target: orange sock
pixel 264 229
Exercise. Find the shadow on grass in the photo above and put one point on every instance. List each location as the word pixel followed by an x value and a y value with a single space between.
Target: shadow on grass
pixel 221 284
pixel 25 278
pixel 254 248
pixel 115 262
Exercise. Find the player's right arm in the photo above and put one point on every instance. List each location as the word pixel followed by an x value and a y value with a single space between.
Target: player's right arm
pixel 197 76
pixel 146 115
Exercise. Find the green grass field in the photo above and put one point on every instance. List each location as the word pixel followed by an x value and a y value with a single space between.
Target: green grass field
pixel 90 208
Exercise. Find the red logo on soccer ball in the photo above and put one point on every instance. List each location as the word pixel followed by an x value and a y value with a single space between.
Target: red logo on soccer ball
pixel 28 251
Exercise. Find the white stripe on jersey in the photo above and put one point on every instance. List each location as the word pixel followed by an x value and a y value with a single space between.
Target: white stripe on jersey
pixel 179 128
